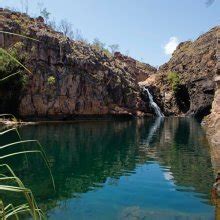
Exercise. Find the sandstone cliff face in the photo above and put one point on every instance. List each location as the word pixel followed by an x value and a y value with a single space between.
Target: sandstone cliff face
pixel 74 78
pixel 212 125
pixel 141 70
pixel 71 77
pixel 212 121
pixel 195 65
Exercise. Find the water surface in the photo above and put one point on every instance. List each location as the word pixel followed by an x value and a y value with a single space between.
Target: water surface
pixel 136 169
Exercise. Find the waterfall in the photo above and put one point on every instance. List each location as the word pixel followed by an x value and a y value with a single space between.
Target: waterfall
pixel 153 104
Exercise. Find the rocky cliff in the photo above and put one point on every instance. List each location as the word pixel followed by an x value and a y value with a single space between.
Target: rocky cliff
pixel 212 123
pixel 140 70
pixel 185 85
pixel 68 78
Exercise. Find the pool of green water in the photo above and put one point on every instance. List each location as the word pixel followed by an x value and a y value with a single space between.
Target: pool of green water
pixel 120 169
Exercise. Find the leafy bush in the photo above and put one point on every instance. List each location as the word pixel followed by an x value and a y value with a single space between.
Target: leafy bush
pixel 10 60
pixel 13 78
pixel 99 46
pixel 51 80
pixel 174 80
pixel 106 52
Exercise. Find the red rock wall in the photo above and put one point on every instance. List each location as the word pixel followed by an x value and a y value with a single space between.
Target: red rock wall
pixel 86 81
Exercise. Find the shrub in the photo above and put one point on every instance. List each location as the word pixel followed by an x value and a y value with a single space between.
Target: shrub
pixel 106 52
pixel 174 80
pixel 12 77
pixel 97 44
pixel 9 65
pixel 51 80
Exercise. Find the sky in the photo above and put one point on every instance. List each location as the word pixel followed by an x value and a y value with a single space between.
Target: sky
pixel 148 30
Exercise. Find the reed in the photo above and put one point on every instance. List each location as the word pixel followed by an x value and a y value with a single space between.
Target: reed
pixel 9 181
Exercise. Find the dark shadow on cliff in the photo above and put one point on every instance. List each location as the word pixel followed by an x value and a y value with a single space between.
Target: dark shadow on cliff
pixel 202 112
pixel 9 96
pixel 183 98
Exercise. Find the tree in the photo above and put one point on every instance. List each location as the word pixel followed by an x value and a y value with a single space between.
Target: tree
pixel 98 44
pixel 66 28
pixel 114 48
pixel 45 14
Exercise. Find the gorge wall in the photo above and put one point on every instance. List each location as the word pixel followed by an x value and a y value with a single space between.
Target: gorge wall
pixel 69 78
pixel 185 85
pixel 212 124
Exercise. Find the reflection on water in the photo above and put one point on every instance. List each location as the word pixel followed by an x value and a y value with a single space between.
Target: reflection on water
pixel 137 169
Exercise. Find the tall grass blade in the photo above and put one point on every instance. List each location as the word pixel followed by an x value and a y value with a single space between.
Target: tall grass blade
pixel 8 54
pixel 41 151
pixel 8 77
pixel 20 35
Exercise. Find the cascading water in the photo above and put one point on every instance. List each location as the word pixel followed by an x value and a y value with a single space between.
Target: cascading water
pixel 153 104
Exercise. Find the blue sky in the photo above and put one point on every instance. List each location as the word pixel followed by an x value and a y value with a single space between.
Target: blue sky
pixel 148 29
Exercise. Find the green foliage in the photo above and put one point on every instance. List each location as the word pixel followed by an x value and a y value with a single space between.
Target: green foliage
pixel 174 80
pixel 12 77
pixel 11 183
pixel 13 74
pixel 9 65
pixel 98 44
pixel 51 80
pixel 24 79
pixel 107 52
